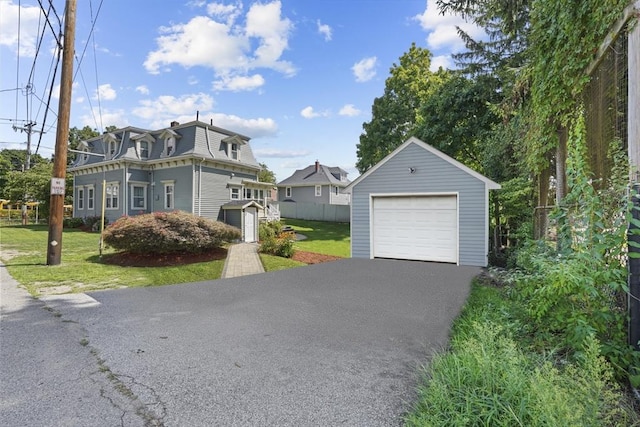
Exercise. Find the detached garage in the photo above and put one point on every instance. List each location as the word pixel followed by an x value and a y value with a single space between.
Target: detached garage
pixel 420 204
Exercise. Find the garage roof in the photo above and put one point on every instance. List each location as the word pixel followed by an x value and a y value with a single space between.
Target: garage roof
pixel 491 185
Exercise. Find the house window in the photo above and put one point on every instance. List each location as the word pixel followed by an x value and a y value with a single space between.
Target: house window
pixel 90 198
pixel 235 193
pixel 247 193
pixel 139 197
pixel 318 190
pixel 112 149
pixel 113 190
pixel 84 156
pixel 336 190
pixel 169 190
pixel 169 146
pixel 80 201
pixel 235 154
pixel 144 149
pixel 287 192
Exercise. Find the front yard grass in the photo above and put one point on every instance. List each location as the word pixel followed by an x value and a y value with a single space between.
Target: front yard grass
pixel 329 238
pixel 23 249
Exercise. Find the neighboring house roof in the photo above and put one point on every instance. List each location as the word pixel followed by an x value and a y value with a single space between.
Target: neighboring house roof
pixel 413 140
pixel 315 174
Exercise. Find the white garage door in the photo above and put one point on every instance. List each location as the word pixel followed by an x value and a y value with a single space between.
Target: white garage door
pixel 415 227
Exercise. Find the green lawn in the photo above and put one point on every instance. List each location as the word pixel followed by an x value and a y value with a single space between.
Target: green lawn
pixel 330 238
pixel 24 252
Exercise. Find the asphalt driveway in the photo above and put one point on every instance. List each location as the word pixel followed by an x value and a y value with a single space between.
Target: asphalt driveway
pixel 332 344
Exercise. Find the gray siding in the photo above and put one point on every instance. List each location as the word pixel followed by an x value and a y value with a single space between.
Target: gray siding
pixel 183 188
pixel 216 191
pixel 304 194
pixel 432 175
pixel 95 180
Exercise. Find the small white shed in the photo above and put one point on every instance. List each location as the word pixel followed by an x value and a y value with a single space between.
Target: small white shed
pixel 420 204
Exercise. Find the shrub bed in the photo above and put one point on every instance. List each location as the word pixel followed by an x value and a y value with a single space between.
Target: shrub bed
pixel 274 242
pixel 168 232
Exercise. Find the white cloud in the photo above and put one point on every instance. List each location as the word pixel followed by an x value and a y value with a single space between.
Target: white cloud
pixel 254 128
pixel 166 108
pixel 325 30
pixel 106 117
pixel 310 113
pixel 239 47
pixel 442 31
pixel 28 34
pixel 105 92
pixel 443 61
pixel 239 83
pixel 349 110
pixel 142 89
pixel 280 154
pixel 364 70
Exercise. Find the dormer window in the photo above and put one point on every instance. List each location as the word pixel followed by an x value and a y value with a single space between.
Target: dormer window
pixel 170 140
pixel 111 145
pixel 233 146
pixel 169 146
pixel 112 149
pixel 144 150
pixel 143 143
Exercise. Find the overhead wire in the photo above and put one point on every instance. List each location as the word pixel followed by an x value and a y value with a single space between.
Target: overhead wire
pixel 18 57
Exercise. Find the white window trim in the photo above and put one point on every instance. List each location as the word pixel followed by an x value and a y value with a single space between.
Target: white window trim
pixel 111 185
pixel 239 194
pixel 172 203
pixel 91 197
pixel 318 190
pixel 287 192
pixel 144 186
pixel 169 141
pixel 80 201
pixel 139 148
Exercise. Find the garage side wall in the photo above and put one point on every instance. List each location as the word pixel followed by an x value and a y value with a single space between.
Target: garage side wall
pixel 432 175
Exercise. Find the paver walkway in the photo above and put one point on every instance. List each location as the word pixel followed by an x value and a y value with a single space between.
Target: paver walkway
pixel 242 260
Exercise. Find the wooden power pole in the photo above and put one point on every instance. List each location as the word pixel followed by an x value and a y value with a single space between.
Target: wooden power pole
pixel 54 247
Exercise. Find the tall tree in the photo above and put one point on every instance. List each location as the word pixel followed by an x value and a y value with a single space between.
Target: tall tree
pixel 266 175
pixel 76 136
pixel 459 118
pixel 396 113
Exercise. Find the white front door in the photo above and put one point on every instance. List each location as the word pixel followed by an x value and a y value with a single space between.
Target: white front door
pixel 415 227
pixel 250 220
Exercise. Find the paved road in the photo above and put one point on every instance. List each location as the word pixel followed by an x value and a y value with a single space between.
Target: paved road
pixel 332 344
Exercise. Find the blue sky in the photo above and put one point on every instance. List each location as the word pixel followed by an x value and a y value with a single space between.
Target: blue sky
pixel 297 76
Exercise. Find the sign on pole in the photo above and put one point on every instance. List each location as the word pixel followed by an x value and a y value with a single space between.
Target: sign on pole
pixel 57 186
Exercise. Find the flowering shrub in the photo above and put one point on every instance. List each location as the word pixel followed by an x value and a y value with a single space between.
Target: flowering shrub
pixel 282 245
pixel 168 232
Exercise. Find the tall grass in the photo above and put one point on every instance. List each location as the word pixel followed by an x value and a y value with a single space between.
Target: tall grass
pixel 489 378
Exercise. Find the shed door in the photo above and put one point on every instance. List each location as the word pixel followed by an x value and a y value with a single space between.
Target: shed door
pixel 250 219
pixel 421 228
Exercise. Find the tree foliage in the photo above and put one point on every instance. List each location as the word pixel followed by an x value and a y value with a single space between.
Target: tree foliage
pixel 396 113
pixel 75 137
pixel 266 175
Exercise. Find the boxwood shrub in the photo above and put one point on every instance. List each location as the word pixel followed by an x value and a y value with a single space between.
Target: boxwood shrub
pixel 168 232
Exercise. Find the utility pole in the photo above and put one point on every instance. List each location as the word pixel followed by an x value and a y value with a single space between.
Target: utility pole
pixel 54 247
pixel 28 128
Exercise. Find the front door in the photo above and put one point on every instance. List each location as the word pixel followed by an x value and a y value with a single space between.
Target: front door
pixel 250 220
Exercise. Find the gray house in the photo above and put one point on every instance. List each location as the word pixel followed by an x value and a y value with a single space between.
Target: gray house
pixel 420 204
pixel 315 184
pixel 193 167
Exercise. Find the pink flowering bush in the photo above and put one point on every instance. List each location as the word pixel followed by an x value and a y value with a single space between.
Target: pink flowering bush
pixel 168 232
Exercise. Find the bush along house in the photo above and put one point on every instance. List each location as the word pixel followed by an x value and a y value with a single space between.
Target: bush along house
pixel 193 167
